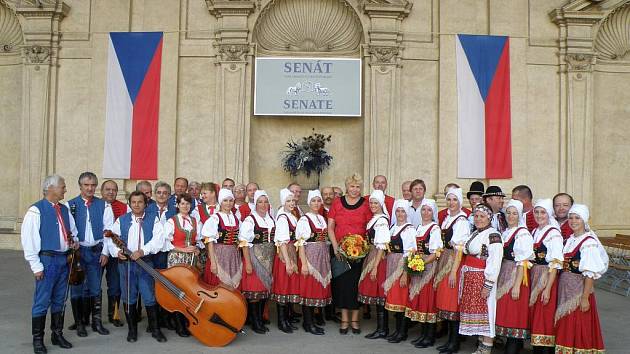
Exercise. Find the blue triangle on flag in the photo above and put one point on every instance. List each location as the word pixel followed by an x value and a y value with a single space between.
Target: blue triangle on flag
pixel 483 54
pixel 135 51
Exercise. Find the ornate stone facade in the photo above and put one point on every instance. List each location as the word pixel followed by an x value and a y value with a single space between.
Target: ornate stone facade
pixel 570 77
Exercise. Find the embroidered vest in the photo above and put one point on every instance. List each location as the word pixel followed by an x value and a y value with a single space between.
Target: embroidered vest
pixel 261 234
pixel 422 242
pixel 571 261
pixel 148 221
pixel 182 237
pixel 447 234
pixel 204 215
pixel 540 250
pixel 291 227
pixel 153 208
pixel 317 235
pixel 228 235
pixel 396 241
pixel 49 225
pixel 371 233
pixel 80 214
pixel 508 247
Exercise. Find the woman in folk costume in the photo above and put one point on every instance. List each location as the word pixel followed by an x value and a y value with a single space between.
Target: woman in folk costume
pixel 479 274
pixel 513 285
pixel 204 210
pixel 257 242
pixel 455 233
pixel 402 241
pixel 183 233
pixel 585 260
pixel 547 262
pixel 371 291
pixel 220 235
pixel 312 235
pixel 421 306
pixel 286 278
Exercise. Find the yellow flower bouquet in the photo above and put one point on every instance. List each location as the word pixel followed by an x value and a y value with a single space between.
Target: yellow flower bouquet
pixel 354 247
pixel 414 264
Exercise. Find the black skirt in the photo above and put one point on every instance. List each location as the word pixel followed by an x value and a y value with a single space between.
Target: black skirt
pixel 345 288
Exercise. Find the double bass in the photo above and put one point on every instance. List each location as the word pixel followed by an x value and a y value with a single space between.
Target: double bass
pixel 216 313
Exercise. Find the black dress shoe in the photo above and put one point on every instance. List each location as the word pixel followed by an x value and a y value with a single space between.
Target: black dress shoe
pixel 344 331
pixel 355 330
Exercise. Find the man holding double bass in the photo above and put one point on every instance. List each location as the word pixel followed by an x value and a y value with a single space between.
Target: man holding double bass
pixel 48 235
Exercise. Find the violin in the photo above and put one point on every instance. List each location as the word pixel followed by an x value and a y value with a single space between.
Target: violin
pixel 216 313
pixel 77 274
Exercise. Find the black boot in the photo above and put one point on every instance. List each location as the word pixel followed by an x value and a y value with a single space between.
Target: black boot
pixel 429 339
pixel 381 324
pixel 398 318
pixel 511 346
pixel 367 312
pixel 181 325
pixel 423 333
pixel 294 317
pixel 307 321
pixel 453 338
pixel 318 316
pixel 441 329
pixel 329 312
pixel 402 330
pixel 287 318
pixel 56 327
pixel 261 315
pixel 446 328
pixel 282 320
pixel 254 322
pixel 97 322
pixel 112 310
pixel 38 325
pixel 138 310
pixel 77 314
pixel 130 316
pixel 86 310
pixel 171 320
pixel 152 317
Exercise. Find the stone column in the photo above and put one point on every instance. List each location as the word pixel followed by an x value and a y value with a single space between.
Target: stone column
pixel 383 55
pixel 40 23
pixel 233 64
pixel 577 60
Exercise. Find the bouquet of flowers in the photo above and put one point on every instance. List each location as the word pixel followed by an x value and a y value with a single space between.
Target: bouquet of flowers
pixel 307 155
pixel 414 264
pixel 354 247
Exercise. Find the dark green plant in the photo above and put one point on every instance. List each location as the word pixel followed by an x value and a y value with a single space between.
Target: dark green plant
pixel 307 155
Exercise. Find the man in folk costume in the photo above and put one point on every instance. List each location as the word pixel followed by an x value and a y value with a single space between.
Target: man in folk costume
pixel 379 182
pixel 93 216
pixel 524 194
pixel 493 198
pixel 146 189
pixel 562 203
pixel 194 189
pixel 48 233
pixel 328 195
pixel 240 196
pixel 180 186
pixel 246 208
pixel 109 191
pixel 296 190
pixel 475 197
pixel 228 183
pixel 142 232
pixel 405 190
pixel 418 189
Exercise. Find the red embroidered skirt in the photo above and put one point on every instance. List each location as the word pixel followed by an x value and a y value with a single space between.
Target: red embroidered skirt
pixel 473 309
pixel 447 297
pixel 252 287
pixel 580 331
pixel 313 293
pixel 542 316
pixel 397 298
pixel 422 307
pixel 371 292
pixel 285 288
pixel 512 319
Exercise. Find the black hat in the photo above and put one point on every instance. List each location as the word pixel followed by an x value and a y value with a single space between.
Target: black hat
pixel 475 188
pixel 493 191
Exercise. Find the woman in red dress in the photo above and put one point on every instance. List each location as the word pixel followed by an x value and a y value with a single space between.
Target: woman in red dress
pixel 402 241
pixel 286 277
pixel 348 215
pixel 371 291
pixel 585 261
pixel 512 319
pixel 455 233
pixel 547 262
pixel 312 234
pixel 256 241
pixel 421 306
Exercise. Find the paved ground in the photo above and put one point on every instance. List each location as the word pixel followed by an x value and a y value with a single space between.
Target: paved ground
pixel 17 291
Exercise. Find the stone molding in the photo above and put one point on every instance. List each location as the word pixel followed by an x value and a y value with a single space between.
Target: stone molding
pixel 232 52
pixel 580 62
pixel 10 29
pixel 36 54
pixel 384 55
pixel 612 41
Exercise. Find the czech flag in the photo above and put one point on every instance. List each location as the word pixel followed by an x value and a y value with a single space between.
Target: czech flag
pixel 483 107
pixel 133 105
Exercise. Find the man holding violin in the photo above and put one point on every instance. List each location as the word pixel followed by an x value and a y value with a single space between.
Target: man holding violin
pixel 48 234
pixel 142 232
pixel 93 216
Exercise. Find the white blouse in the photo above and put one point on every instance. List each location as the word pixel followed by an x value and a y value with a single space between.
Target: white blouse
pixel 593 257
pixel 195 212
pixel 282 226
pixel 523 244
pixel 554 244
pixel 461 229
pixel 169 230
pixel 495 252
pixel 210 230
pixel 303 229
pixel 246 230
pixel 380 223
pixel 435 237
pixel 408 236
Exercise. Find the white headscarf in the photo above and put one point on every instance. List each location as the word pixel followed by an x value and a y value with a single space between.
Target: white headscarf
pixel 518 205
pixel 284 195
pixel 224 194
pixel 380 197
pixel 400 203
pixel 313 194
pixel 458 193
pixel 430 203
pixel 581 210
pixel 547 204
pixel 260 193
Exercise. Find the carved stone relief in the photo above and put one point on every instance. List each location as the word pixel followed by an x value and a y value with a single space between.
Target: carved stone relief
pixel 613 38
pixel 10 29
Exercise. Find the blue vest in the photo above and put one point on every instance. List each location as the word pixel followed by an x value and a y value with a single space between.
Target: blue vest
pixel 147 226
pixel 79 212
pixel 49 225
pixel 155 209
